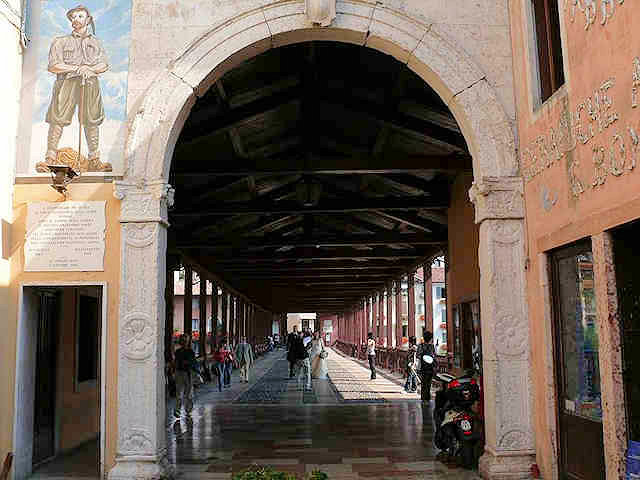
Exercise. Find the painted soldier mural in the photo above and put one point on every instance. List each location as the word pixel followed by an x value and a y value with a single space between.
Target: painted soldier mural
pixel 77 60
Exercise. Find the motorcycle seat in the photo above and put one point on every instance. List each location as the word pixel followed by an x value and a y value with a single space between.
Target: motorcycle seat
pixel 445 377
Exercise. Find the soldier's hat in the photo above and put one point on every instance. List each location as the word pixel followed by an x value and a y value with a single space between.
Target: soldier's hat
pixel 75 9
pixel 86 10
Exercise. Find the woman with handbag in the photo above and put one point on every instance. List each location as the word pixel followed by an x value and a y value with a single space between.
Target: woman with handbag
pixel 319 368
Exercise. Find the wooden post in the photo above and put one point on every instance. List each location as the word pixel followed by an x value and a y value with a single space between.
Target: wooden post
pixel 398 313
pixel 202 323
pixel 225 314
pixel 216 315
pixel 367 311
pixel 374 316
pixel 411 304
pixel 169 313
pixel 390 315
pixel 428 299
pixel 188 299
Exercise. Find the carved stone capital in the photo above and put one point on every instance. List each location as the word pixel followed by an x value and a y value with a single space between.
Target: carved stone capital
pixel 498 198
pixel 320 12
pixel 144 201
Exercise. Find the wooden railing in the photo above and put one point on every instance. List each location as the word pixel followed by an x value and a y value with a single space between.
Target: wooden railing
pixel 393 359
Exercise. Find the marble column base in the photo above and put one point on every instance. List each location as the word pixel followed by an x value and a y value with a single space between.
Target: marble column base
pixel 507 467
pixel 135 468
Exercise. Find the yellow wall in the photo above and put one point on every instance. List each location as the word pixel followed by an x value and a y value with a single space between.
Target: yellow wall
pixel 78 410
pixel 10 82
pixel 110 275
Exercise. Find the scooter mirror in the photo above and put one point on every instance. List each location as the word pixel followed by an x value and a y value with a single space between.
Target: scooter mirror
pixel 427 359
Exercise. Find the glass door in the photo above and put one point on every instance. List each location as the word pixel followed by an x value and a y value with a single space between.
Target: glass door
pixel 577 364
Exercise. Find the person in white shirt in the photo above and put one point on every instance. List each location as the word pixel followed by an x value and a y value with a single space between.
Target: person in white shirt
pixel 371 354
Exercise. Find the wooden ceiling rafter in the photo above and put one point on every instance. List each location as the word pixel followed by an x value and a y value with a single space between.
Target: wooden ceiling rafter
pixel 383 147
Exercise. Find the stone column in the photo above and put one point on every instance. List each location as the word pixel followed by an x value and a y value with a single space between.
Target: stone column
pixel 141 443
pixel 614 418
pixel 411 304
pixel 509 449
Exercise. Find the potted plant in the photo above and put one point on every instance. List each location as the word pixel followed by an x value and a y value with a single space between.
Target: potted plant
pixel 257 472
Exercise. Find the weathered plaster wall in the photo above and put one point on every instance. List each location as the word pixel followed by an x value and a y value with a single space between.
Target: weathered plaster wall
pixel 11 59
pixel 111 275
pixel 580 172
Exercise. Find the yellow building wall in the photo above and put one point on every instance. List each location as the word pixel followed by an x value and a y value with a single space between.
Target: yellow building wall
pixel 78 411
pixel 111 276
pixel 10 82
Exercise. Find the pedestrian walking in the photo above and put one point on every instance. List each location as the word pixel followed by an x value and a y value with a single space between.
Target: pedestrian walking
pixel 291 358
pixel 371 354
pixel 304 368
pixel 185 363
pixel 220 359
pixel 228 365
pixel 411 368
pixel 426 370
pixel 244 357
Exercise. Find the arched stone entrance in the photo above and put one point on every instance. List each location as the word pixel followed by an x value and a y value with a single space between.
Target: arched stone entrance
pixel 497 194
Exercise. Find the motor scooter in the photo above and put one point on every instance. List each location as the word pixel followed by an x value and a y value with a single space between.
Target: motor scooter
pixel 457 426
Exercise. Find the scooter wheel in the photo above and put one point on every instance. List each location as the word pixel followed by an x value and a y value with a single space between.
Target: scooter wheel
pixel 467 455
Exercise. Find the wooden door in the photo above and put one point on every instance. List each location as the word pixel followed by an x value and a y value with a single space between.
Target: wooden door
pixel 577 365
pixel 467 336
pixel 45 387
pixel 627 262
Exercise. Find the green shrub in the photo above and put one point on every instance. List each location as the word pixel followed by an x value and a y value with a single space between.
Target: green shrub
pixel 265 473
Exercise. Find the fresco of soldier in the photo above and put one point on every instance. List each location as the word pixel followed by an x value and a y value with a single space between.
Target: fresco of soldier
pixel 77 60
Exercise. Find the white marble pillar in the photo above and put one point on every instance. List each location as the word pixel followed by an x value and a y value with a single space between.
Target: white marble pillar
pixel 510 447
pixel 141 448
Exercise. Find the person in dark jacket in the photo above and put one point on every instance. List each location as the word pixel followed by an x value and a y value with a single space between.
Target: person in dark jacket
pixel 185 365
pixel 412 365
pixel 426 370
pixel 291 339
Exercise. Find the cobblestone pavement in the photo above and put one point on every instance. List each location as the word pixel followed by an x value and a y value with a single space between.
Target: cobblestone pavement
pixel 349 427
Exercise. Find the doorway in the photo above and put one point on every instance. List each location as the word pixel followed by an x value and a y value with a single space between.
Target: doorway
pixel 577 364
pixel 59 392
pixel 627 264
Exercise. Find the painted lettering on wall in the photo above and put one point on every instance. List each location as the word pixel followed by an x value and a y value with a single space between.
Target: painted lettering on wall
pixel 635 85
pixel 592 10
pixel 612 154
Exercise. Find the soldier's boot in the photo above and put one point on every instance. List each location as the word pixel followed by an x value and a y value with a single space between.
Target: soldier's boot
pixel 92 134
pixel 53 138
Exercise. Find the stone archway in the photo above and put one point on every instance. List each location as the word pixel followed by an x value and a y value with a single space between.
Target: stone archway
pixel 497 194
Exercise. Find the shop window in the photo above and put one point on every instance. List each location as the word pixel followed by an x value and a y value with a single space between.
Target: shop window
pixel 549 47
pixel 577 369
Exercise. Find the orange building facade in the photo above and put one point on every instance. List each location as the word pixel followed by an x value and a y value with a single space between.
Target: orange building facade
pixel 577 91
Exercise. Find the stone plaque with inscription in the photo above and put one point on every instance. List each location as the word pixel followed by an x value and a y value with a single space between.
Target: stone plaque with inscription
pixel 65 236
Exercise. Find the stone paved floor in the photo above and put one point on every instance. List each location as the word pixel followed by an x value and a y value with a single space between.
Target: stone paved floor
pixel 349 427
